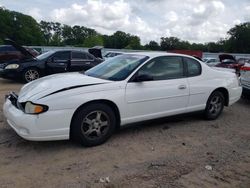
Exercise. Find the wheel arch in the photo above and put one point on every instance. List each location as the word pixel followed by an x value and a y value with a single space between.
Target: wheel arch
pixel 102 101
pixel 225 93
pixel 33 67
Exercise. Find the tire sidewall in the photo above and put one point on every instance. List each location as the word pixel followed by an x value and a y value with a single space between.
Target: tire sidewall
pixel 208 115
pixel 76 133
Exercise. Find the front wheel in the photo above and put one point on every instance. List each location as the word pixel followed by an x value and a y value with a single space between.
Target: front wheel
pixel 215 105
pixel 93 124
pixel 30 74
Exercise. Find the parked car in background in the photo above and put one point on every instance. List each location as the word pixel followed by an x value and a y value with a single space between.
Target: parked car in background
pixel 229 61
pixel 9 52
pixel 112 54
pixel 211 61
pixel 31 68
pixel 129 88
pixel 245 78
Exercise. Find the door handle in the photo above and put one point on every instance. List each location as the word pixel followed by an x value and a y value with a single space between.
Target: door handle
pixel 182 87
pixel 87 63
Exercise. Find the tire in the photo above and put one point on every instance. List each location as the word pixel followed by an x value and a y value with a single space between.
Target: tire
pixel 215 105
pixel 30 74
pixel 93 124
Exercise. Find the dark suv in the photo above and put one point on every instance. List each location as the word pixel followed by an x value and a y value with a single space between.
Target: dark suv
pixel 30 67
pixel 9 52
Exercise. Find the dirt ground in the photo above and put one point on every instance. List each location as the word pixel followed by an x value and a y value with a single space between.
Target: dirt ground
pixel 171 152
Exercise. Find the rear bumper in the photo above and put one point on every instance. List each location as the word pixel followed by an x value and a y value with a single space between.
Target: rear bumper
pixel 235 95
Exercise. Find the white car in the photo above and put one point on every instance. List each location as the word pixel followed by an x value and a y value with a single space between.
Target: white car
pixel 87 107
pixel 245 78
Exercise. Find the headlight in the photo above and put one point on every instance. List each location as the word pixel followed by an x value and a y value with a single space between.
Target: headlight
pixel 12 66
pixel 31 108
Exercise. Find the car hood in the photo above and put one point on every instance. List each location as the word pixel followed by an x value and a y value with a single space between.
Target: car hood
pixel 25 52
pixel 56 83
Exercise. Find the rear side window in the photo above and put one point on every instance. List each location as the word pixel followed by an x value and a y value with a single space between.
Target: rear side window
pixel 193 67
pixel 79 55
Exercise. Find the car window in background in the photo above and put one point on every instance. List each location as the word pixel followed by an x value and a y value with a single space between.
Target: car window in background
pixel 79 55
pixel 7 49
pixel 90 57
pixel 61 56
pixel 117 68
pixel 45 55
pixel 164 68
pixel 193 66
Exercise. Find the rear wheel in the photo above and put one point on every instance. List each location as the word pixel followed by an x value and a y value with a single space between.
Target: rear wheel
pixel 30 74
pixel 215 105
pixel 93 124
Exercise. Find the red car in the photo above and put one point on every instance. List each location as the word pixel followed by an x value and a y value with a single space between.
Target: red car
pixel 229 61
pixel 9 52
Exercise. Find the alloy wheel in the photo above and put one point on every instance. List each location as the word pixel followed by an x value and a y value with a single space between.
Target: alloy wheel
pixel 31 75
pixel 215 105
pixel 95 125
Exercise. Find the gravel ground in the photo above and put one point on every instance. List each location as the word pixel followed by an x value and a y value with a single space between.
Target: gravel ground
pixel 183 151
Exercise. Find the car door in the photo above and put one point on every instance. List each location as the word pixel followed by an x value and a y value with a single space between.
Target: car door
pixel 81 61
pixel 166 94
pixel 198 85
pixel 58 62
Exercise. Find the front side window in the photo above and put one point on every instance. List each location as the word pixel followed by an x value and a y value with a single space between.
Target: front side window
pixel 164 68
pixel 193 67
pixel 117 68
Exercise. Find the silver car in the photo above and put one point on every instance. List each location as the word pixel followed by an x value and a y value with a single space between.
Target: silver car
pixel 245 78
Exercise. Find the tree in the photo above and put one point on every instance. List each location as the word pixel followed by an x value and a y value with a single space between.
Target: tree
pixel 134 43
pixel 94 40
pixel 19 27
pixel 169 43
pixel 239 40
pixel 152 45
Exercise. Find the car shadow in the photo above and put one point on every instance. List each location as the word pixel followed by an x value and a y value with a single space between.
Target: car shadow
pixel 163 123
pixel 12 140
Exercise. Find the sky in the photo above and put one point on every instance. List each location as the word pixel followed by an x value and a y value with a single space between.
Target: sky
pixel 197 21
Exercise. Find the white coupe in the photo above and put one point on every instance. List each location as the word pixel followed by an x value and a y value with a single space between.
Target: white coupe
pixel 88 107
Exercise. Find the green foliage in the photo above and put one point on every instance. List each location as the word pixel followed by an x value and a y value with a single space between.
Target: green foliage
pixel 20 28
pixel 152 45
pixel 239 40
pixel 94 40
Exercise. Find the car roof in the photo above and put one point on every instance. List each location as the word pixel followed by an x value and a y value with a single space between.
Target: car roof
pixel 157 54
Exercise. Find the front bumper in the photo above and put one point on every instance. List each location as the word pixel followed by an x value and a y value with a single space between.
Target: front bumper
pixel 10 74
pixel 51 125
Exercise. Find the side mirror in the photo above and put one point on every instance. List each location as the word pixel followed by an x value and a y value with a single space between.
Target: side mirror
pixel 143 78
pixel 50 60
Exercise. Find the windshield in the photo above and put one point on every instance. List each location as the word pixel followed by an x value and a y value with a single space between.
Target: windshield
pixel 45 55
pixel 117 68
